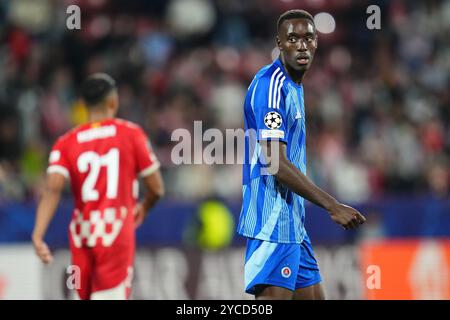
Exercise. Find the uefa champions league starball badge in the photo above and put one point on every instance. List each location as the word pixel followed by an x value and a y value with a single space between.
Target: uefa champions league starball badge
pixel 273 120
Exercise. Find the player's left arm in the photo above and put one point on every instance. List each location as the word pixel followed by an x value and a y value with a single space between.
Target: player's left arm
pixel 271 120
pixel 154 186
pixel 290 176
pixel 148 168
pixel 46 209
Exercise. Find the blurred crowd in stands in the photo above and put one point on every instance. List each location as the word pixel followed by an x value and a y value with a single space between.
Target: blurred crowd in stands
pixel 377 101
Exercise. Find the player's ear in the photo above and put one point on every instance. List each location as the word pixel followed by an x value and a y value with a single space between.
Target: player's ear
pixel 113 102
pixel 278 43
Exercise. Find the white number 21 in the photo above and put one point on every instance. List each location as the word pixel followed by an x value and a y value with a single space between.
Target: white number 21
pixel 93 161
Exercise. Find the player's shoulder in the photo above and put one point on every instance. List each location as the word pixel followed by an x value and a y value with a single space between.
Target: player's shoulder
pixel 127 126
pixel 269 72
pixel 269 76
pixel 69 135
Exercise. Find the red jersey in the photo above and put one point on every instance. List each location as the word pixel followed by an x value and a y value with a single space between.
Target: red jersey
pixel 103 161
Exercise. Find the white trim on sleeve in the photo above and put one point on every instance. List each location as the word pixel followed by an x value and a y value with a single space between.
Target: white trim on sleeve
pixel 55 168
pixel 149 170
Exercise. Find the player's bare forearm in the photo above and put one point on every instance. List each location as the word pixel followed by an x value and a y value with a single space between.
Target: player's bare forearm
pixel 45 212
pixel 291 177
pixel 154 190
pixel 149 201
pixel 48 204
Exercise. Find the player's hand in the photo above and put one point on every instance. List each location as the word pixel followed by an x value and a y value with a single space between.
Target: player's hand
pixel 346 216
pixel 139 215
pixel 42 251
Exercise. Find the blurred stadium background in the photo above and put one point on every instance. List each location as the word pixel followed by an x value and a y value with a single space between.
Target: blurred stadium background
pixel 378 117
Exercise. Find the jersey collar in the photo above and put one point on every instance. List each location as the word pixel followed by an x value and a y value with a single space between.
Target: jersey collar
pixel 279 64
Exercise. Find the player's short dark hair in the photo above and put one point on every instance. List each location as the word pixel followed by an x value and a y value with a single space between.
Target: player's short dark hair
pixel 295 14
pixel 96 88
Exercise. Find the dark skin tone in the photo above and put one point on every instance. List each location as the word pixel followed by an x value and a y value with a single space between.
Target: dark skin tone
pixel 297 41
pixel 55 182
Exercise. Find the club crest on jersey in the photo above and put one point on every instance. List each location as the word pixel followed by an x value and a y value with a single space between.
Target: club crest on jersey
pixel 286 272
pixel 273 120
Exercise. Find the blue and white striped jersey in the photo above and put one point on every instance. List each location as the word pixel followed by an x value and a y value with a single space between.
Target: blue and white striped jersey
pixel 273 109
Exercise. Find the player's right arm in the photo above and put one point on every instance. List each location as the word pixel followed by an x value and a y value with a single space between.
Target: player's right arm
pixel 46 210
pixel 57 173
pixel 290 176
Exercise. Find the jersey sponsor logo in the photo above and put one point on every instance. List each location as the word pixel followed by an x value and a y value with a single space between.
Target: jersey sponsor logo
pixel 286 272
pixel 102 227
pixel 272 134
pixel 273 120
pixel 96 133
pixel 298 115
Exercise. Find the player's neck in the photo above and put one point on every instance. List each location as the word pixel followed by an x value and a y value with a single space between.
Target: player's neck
pixel 99 116
pixel 295 76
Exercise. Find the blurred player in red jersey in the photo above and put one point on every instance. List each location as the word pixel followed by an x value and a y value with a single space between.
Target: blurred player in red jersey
pixel 102 159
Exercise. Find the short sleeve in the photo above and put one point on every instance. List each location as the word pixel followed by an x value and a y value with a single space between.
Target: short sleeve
pixel 146 160
pixel 268 104
pixel 58 162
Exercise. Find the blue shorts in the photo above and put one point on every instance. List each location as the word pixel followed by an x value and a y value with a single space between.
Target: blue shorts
pixel 287 265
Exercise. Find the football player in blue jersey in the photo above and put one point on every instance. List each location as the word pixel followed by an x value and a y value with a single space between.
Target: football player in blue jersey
pixel 280 262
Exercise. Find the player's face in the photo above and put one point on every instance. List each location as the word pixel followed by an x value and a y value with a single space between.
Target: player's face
pixel 297 41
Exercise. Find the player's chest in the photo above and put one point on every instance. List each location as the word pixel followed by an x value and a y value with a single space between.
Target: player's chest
pixel 295 109
pixel 295 113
